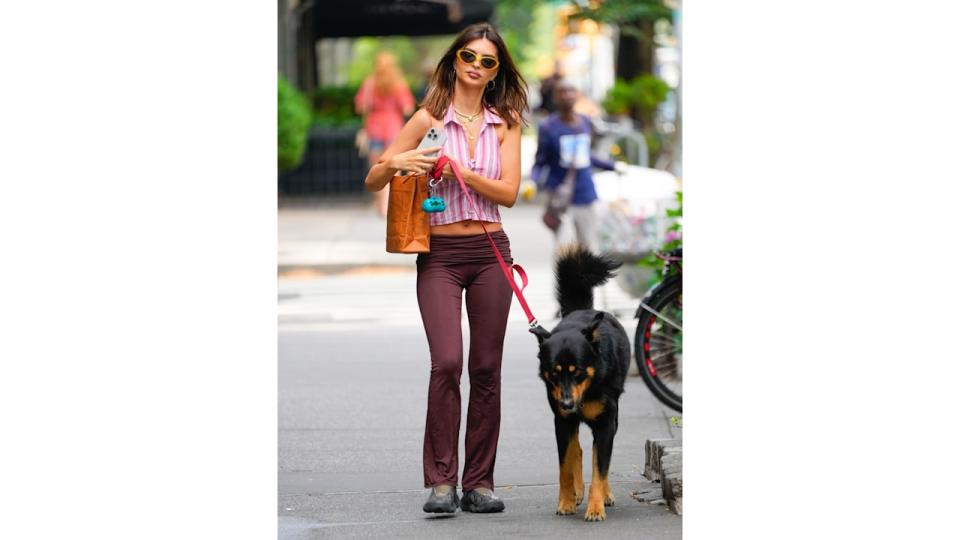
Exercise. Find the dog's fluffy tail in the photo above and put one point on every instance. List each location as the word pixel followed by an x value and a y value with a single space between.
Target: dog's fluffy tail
pixel 578 271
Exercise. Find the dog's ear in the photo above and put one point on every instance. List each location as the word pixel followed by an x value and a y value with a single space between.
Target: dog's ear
pixel 541 333
pixel 590 332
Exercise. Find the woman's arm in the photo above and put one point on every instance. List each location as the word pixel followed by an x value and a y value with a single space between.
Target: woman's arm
pixel 406 100
pixel 503 191
pixel 401 154
pixel 361 101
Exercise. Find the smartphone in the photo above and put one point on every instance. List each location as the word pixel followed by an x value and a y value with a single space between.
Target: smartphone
pixel 434 137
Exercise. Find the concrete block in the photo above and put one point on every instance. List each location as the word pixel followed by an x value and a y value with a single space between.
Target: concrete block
pixel 655 449
pixel 666 467
pixel 671 463
pixel 664 463
pixel 650 460
pixel 672 487
pixel 673 492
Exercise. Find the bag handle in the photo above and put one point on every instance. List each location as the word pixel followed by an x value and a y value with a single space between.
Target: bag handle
pixel 507 270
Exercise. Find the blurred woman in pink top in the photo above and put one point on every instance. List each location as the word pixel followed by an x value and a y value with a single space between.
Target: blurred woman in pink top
pixel 477 97
pixel 384 100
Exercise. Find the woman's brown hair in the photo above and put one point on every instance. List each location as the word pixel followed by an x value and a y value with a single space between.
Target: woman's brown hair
pixel 509 94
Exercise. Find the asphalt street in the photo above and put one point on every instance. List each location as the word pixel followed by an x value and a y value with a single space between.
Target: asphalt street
pixel 353 373
pixel 351 414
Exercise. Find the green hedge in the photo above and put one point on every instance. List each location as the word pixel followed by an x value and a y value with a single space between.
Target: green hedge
pixel 637 98
pixel 673 240
pixel 293 122
pixel 333 107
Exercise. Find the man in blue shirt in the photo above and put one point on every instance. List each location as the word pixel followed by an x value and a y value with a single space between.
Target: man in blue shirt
pixel 563 148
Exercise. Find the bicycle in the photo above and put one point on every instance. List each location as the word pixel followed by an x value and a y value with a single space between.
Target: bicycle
pixel 658 343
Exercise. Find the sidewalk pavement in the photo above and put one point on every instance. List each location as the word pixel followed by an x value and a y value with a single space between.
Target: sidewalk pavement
pixel 347 232
pixel 346 235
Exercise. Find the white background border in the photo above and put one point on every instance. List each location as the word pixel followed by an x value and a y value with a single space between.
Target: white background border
pixel 138 217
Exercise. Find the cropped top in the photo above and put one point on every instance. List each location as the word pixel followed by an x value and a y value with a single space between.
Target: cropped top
pixel 485 162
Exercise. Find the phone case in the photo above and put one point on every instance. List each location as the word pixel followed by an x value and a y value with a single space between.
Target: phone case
pixel 434 137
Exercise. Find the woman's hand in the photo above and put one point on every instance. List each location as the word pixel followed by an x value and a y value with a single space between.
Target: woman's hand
pixel 447 172
pixel 414 161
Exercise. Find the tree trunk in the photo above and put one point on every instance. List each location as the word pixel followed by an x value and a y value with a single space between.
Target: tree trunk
pixel 635 54
pixel 635 58
pixel 307 53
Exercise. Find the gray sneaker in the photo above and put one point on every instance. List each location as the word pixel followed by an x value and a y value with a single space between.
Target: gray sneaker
pixel 442 500
pixel 481 500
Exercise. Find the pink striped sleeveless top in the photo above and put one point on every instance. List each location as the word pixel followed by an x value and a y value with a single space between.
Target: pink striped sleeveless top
pixel 485 162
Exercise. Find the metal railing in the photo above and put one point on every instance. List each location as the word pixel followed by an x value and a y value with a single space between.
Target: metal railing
pixel 625 137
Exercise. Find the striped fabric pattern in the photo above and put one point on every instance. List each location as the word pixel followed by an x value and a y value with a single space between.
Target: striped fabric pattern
pixel 486 163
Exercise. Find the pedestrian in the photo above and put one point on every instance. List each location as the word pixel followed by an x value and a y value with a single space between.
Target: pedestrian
pixel 563 156
pixel 384 100
pixel 547 86
pixel 477 97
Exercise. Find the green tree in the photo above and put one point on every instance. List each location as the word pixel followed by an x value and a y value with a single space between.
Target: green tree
pixel 293 121
pixel 413 55
pixel 514 20
pixel 365 49
pixel 635 19
pixel 638 22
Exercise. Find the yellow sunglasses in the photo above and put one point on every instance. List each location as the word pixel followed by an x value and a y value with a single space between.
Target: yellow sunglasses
pixel 468 57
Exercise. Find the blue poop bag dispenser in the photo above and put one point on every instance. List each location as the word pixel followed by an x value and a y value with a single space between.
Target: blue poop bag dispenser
pixel 433 204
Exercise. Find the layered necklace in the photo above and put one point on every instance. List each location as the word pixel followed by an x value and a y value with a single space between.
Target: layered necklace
pixel 466 120
pixel 468 117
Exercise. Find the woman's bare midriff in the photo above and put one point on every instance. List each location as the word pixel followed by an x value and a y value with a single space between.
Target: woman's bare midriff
pixel 463 228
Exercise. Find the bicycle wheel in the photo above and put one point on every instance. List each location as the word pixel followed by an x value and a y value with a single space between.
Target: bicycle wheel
pixel 658 345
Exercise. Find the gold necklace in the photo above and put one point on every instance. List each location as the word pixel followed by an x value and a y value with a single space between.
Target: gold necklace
pixel 467 117
pixel 466 129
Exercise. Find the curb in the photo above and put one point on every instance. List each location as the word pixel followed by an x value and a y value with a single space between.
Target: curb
pixel 310 270
pixel 664 464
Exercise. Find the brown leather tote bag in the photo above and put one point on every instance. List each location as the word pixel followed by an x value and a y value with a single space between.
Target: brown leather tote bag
pixel 408 225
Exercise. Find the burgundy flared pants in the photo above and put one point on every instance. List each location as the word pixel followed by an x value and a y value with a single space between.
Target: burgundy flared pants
pixel 455 265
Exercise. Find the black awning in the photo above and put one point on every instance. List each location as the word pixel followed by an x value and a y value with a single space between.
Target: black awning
pixel 351 18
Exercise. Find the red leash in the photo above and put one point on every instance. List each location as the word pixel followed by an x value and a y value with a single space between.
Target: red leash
pixel 507 270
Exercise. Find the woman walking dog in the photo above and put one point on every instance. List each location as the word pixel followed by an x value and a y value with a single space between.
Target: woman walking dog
pixel 477 97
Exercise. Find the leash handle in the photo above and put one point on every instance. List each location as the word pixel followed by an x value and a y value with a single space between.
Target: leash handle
pixel 507 270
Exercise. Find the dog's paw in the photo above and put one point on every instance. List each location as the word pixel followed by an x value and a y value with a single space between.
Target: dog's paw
pixel 608 499
pixel 579 497
pixel 595 511
pixel 595 515
pixel 566 508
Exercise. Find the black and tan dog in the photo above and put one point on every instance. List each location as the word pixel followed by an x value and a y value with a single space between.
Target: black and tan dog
pixel 583 362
